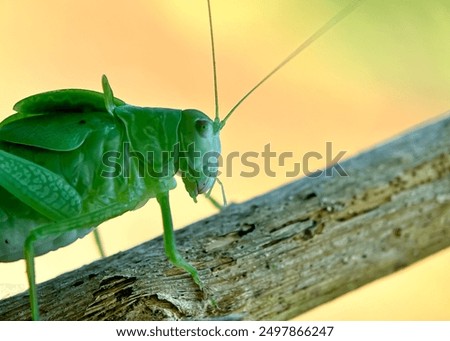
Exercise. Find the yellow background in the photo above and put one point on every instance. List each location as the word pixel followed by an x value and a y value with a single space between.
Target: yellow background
pixel 381 71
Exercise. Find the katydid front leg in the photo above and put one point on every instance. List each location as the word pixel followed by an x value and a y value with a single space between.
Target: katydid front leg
pixel 169 240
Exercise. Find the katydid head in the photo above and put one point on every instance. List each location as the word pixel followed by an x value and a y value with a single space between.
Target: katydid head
pixel 199 151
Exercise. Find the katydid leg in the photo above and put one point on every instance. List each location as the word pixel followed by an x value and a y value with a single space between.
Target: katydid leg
pixel 29 260
pixel 94 218
pixel 99 243
pixel 215 203
pixel 169 240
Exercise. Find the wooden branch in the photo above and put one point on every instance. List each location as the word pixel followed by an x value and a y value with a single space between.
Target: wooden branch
pixel 282 253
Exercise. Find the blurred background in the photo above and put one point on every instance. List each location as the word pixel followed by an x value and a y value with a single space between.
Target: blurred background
pixel 381 71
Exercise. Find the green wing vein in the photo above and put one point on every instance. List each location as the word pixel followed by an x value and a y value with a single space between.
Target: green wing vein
pixel 36 186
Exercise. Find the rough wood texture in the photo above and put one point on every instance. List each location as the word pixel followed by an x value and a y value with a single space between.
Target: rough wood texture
pixel 280 254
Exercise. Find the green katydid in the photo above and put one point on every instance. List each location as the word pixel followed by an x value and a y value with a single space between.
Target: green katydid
pixel 72 159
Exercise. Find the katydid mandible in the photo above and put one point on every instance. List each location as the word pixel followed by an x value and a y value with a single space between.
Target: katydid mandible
pixel 72 159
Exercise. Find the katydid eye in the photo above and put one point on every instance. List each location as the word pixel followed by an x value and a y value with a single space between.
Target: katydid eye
pixel 203 128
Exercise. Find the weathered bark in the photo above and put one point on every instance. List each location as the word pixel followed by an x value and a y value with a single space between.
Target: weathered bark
pixel 279 254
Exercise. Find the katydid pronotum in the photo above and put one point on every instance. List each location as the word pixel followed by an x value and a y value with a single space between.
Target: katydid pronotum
pixel 72 159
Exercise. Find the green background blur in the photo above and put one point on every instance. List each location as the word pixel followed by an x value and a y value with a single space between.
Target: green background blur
pixel 384 69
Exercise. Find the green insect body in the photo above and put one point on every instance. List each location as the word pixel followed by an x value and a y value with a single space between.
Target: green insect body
pixel 53 171
pixel 72 159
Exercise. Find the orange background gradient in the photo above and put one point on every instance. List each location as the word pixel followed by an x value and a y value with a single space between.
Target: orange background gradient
pixel 383 70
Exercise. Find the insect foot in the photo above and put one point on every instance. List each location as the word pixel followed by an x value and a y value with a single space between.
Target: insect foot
pixel 207 292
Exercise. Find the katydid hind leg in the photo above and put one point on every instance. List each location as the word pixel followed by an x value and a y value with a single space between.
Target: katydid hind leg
pixel 29 182
pixel 31 276
pixel 94 218
pixel 169 240
pixel 46 192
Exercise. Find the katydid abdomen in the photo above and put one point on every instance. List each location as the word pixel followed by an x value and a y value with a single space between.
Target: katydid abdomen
pixel 18 219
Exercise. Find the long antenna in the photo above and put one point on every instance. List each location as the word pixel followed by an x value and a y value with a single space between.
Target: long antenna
pixel 216 93
pixel 320 32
